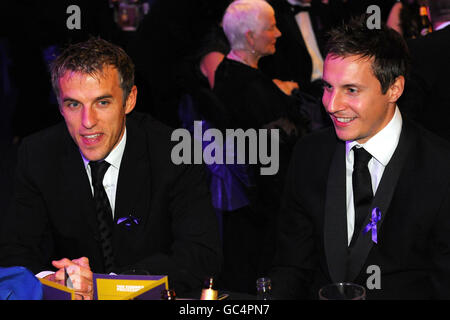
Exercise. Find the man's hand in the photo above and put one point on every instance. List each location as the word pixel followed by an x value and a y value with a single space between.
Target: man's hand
pixel 79 272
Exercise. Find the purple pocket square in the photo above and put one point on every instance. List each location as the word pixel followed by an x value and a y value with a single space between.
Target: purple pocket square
pixel 128 221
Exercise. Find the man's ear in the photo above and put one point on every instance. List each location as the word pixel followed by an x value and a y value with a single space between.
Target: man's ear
pixel 131 100
pixel 396 89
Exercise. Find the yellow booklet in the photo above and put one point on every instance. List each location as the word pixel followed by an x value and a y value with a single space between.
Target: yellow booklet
pixel 127 287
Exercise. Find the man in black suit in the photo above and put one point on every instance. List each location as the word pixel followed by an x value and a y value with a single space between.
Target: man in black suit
pixel 372 194
pixel 427 97
pixel 299 50
pixel 144 213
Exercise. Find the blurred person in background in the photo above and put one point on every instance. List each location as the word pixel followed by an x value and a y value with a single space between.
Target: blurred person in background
pixel 427 98
pixel 253 100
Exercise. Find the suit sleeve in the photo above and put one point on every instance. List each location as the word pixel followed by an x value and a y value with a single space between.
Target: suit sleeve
pixel 24 237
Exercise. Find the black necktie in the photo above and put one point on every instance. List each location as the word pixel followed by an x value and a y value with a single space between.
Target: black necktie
pixel 362 189
pixel 104 212
pixel 296 8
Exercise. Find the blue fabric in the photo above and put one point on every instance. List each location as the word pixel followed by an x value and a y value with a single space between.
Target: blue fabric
pixel 19 283
pixel 228 182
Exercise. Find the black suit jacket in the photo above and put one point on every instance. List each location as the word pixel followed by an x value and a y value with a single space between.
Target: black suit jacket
pixel 291 61
pixel 427 98
pixel 413 234
pixel 54 217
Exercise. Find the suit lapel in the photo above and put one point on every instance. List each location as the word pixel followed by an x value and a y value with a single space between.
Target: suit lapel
pixel 335 221
pixel 78 191
pixel 381 200
pixel 134 179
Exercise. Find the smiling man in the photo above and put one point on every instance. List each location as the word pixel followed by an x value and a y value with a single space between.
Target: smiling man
pixel 353 97
pixel 99 193
pixel 372 191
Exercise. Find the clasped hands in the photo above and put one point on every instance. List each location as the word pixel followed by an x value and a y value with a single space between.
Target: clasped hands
pixel 80 274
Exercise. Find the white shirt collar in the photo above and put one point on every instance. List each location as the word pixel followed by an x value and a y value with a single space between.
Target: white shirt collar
pixel 114 158
pixel 382 145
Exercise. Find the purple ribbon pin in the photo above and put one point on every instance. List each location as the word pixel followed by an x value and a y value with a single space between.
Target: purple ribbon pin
pixel 128 221
pixel 372 225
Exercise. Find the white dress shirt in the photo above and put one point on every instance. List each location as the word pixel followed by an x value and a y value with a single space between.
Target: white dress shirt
pixel 381 146
pixel 112 174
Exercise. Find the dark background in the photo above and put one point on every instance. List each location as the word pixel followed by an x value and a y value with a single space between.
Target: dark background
pixel 163 49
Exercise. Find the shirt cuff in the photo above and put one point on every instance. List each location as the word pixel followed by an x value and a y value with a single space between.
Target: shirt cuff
pixel 43 274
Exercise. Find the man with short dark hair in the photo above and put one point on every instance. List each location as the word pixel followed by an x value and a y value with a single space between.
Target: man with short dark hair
pixel 427 97
pixel 100 192
pixel 372 194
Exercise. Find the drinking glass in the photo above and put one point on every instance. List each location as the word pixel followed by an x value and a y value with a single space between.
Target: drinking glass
pixel 342 291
